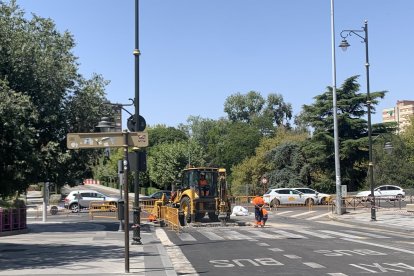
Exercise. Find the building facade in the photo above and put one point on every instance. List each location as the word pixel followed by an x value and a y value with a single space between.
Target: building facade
pixel 400 114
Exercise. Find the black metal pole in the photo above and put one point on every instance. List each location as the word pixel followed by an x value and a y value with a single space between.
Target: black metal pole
pixel 126 201
pixel 370 163
pixel 136 239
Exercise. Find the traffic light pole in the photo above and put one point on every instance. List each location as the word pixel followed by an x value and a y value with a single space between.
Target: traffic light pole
pixel 136 239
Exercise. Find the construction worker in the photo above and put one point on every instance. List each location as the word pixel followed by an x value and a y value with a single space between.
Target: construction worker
pixel 265 216
pixel 203 184
pixel 258 203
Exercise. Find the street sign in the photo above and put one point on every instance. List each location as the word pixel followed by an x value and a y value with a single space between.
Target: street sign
pixel 106 140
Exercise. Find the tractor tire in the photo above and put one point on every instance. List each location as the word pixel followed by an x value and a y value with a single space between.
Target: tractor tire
pixel 213 217
pixel 185 207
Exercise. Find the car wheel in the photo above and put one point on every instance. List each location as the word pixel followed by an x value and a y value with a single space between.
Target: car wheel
pixel 399 197
pixel 74 207
pixel 324 201
pixel 274 203
pixel 309 202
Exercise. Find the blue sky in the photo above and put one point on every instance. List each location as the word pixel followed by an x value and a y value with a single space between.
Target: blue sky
pixel 196 53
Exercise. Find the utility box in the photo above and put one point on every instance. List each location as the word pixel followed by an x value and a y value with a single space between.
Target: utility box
pixel 121 210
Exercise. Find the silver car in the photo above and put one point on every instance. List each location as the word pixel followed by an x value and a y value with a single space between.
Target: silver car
pixel 77 200
pixel 283 196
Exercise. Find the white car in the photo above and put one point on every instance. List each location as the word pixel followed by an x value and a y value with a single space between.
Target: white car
pixel 77 200
pixel 322 198
pixel 384 191
pixel 283 196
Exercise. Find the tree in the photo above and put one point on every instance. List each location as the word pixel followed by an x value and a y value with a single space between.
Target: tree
pixel 246 175
pixel 252 108
pixel 166 161
pixel 352 133
pixel 162 134
pixel 39 69
pixel 17 140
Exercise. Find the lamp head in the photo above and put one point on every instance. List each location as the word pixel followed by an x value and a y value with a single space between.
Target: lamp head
pixel 344 45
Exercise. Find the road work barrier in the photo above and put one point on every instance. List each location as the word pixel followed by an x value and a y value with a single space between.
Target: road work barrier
pixel 102 209
pixel 246 202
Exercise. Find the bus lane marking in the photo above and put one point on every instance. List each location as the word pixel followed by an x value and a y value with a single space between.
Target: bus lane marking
pixel 380 245
pixel 380 268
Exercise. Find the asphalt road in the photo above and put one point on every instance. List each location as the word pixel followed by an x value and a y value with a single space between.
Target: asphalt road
pixel 295 246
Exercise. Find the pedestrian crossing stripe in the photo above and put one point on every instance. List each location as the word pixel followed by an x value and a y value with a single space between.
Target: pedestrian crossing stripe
pixel 269 233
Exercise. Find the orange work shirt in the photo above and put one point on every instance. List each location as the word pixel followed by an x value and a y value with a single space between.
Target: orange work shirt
pixel 258 200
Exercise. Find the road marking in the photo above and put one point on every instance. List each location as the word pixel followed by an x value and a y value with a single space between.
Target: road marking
pixel 185 237
pixel 367 234
pixel 380 245
pixel 342 234
pixel 262 234
pixel 289 235
pixel 314 265
pixel 233 235
pixel 276 249
pixel 292 256
pixel 212 236
pixel 337 274
pixel 318 216
pixel 263 244
pixel 302 214
pixel 315 234
pixel 284 212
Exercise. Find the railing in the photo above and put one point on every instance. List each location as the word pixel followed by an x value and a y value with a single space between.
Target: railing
pixel 12 219
pixel 355 202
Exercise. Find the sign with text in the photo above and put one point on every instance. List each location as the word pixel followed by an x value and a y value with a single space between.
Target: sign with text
pixel 106 140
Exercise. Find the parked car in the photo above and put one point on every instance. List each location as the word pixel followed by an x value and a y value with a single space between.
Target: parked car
pixel 384 191
pixel 156 195
pixel 282 196
pixel 77 200
pixel 322 198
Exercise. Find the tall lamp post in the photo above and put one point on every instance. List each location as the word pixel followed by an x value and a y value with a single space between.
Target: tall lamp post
pixel 136 237
pixel 344 45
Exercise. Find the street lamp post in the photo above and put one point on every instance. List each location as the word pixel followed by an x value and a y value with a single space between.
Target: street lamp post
pixel 136 237
pixel 344 45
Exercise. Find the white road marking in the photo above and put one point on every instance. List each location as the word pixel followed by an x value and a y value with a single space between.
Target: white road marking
pixel 367 234
pixel 212 236
pixel 276 249
pixel 314 233
pixel 261 234
pixel 233 235
pixel 337 274
pixel 318 216
pixel 185 237
pixel 263 244
pixel 284 212
pixel 381 245
pixel 292 256
pixel 342 234
pixel 302 214
pixel 314 265
pixel 289 235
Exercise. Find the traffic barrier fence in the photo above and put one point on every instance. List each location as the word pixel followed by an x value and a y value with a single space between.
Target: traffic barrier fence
pixel 12 219
pixel 102 209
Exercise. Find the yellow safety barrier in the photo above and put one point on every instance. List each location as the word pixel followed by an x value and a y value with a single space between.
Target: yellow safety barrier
pixel 102 209
pixel 170 215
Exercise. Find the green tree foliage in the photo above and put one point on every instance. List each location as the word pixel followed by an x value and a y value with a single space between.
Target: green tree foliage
pixel 392 166
pixel 162 134
pixel 252 108
pixel 39 70
pixel 352 132
pixel 408 138
pixel 17 140
pixel 166 161
pixel 246 175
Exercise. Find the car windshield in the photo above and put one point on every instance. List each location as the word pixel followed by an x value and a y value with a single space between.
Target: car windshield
pixel 268 192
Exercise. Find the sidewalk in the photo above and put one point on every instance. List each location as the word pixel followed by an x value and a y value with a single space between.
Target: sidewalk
pixel 81 248
pixel 391 219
